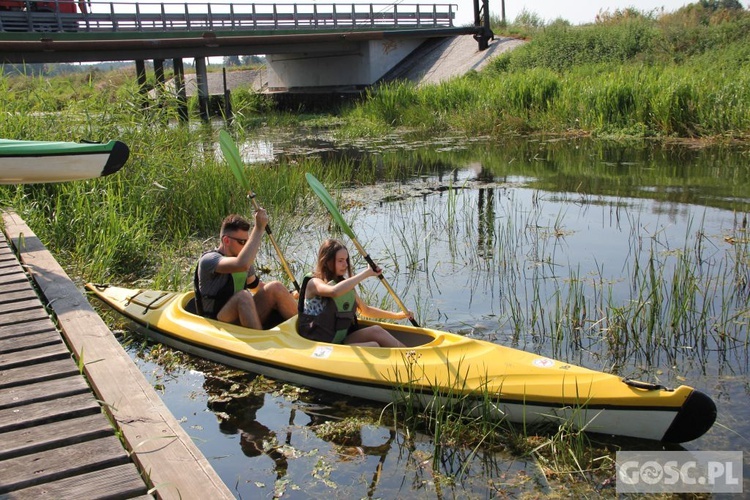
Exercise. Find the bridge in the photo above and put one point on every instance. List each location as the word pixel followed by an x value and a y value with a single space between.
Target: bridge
pixel 307 45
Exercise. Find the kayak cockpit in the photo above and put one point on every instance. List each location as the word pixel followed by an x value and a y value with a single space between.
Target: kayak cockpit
pixel 410 337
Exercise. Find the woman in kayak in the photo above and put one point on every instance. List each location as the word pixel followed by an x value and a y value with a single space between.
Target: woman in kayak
pixel 328 303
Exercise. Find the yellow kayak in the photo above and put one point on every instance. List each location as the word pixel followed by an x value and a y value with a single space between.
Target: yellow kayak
pixel 523 387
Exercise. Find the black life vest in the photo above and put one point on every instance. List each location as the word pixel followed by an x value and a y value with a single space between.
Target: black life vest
pixel 338 319
pixel 233 283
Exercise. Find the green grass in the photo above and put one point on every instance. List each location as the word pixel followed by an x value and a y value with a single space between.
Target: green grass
pixel 629 74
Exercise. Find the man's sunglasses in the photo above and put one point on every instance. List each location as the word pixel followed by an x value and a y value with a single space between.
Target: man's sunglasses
pixel 238 240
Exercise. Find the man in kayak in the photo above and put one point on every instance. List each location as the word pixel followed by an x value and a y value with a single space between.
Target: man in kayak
pixel 226 285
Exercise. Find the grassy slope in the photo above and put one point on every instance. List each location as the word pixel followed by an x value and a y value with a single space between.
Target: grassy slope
pixel 683 74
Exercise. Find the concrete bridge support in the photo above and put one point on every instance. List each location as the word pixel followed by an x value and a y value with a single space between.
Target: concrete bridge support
pixel 353 66
pixel 159 77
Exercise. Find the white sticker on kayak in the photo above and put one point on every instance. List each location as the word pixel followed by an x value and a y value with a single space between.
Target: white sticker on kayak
pixel 543 363
pixel 322 352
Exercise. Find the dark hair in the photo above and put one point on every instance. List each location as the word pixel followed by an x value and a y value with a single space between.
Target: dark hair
pixel 234 222
pixel 326 256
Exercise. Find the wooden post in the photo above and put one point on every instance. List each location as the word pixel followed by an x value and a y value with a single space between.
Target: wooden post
pixel 140 74
pixel 202 78
pixel 179 80
pixel 227 100
pixel 159 71
pixel 159 77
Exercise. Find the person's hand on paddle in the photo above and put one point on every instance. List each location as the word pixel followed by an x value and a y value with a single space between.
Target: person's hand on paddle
pixel 261 218
pixel 369 272
pixel 409 314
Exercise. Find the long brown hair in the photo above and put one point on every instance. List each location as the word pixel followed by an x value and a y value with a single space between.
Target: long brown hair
pixel 326 259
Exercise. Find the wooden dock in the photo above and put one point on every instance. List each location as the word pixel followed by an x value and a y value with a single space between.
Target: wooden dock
pixel 77 418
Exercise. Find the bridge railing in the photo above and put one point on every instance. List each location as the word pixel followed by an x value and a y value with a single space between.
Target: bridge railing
pixel 99 16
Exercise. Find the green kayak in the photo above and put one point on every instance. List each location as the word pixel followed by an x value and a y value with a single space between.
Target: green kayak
pixel 26 162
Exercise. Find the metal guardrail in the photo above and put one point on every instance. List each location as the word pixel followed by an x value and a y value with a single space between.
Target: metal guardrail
pixel 123 17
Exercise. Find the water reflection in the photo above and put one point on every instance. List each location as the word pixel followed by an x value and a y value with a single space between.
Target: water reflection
pixel 269 440
pixel 237 416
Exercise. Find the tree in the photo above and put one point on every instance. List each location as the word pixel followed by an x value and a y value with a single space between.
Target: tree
pixel 714 5
pixel 231 60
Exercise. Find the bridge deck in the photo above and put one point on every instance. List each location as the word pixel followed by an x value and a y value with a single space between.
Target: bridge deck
pixel 131 16
pixel 55 441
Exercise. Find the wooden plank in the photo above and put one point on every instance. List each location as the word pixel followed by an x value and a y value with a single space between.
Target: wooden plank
pixel 38 356
pixel 20 306
pixel 13 278
pixel 11 295
pixel 9 262
pixel 20 417
pixel 54 435
pixel 18 286
pixel 10 268
pixel 121 481
pixel 28 374
pixel 30 340
pixel 60 463
pixel 162 447
pixel 43 391
pixel 9 318
pixel 32 327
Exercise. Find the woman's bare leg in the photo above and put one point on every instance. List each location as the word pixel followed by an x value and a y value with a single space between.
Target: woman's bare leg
pixel 373 333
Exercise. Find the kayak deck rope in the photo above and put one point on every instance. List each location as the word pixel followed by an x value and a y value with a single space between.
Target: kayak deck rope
pixel 645 385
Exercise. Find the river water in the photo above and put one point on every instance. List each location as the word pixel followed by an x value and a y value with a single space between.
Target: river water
pixel 631 258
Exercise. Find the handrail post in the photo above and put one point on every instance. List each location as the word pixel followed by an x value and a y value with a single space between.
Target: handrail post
pixel 112 14
pixel 58 21
pixel 29 22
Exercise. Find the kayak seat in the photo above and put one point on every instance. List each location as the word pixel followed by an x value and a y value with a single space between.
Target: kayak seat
pixel 190 306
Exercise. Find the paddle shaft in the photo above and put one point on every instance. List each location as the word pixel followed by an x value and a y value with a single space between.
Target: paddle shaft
pixel 374 267
pixel 284 263
pixel 234 160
